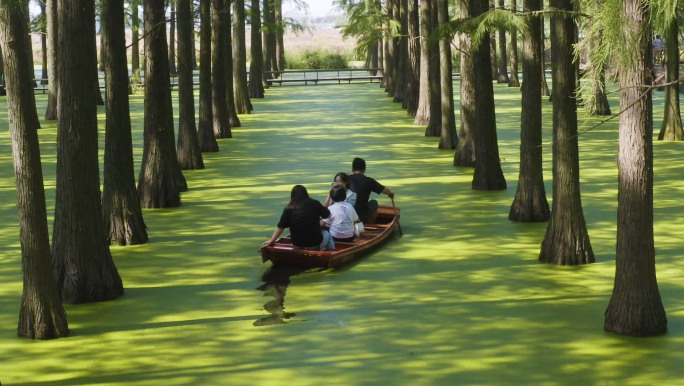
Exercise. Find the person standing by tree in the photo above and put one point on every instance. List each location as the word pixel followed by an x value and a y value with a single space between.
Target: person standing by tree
pixel 657 49
pixel 363 186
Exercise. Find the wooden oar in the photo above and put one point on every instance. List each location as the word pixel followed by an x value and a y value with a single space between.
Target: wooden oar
pixel 401 233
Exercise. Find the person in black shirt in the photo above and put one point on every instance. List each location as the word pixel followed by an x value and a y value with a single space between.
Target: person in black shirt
pixel 363 186
pixel 302 215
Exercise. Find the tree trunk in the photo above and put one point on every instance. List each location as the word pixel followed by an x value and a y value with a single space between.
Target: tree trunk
pixel 448 139
pixel 598 102
pixel 207 140
pixel 41 315
pixel 82 263
pixel 256 64
pixel 671 129
pixel 636 309
pixel 269 40
pixel 279 43
pixel 399 95
pixel 233 118
pixel 43 46
pixel 160 180
pixel 465 152
pixel 221 125
pixel 514 80
pixel 53 63
pixel 426 27
pixel 530 204
pixel 566 241
pixel 434 127
pixel 123 219
pixel 172 39
pixel 187 147
pixel 391 50
pixel 192 36
pixel 542 53
pixel 413 63
pixel 503 59
pixel 265 39
pixel 242 103
pixel 135 38
pixel 488 174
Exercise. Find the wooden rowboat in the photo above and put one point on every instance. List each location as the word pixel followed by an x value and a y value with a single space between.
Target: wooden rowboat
pixel 284 253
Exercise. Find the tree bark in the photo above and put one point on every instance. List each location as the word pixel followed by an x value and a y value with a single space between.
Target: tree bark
pixel 503 59
pixel 448 139
pixel 135 38
pixel 160 180
pixel 221 125
pixel 636 309
pixel 488 174
pixel 426 27
pixel 542 53
pixel 566 241
pixel 43 46
pixel 207 140
pixel 530 204
pixel 391 50
pixel 53 63
pixel 465 152
pixel 123 218
pixel 413 63
pixel 41 315
pixel 269 41
pixel 514 80
pixel 256 64
pixel 172 39
pixel 598 102
pixel 399 95
pixel 280 31
pixel 82 263
pixel 434 128
pixel 233 118
pixel 187 147
pixel 671 129
pixel 242 103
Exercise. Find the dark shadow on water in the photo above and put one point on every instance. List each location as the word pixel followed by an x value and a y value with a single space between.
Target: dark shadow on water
pixel 276 279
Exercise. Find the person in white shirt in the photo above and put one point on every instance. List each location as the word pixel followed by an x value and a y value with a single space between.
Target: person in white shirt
pixel 342 178
pixel 342 216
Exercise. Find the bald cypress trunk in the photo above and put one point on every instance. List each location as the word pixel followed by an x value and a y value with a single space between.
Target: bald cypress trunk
pixel 187 146
pixel 426 27
pixel 121 210
pixel 160 180
pixel 488 174
pixel 530 204
pixel 41 315
pixel 413 64
pixel 243 105
pixel 256 64
pixel 172 38
pixel 671 129
pixel 207 140
pixel 53 63
pixel 82 263
pixel 514 81
pixel 221 124
pixel 233 118
pixel 636 309
pixel 465 152
pixel 448 139
pixel 402 57
pixel 566 241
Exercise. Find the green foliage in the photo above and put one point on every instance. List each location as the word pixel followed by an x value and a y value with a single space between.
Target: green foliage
pixel 137 88
pixel 317 60
pixel 365 21
pixel 481 26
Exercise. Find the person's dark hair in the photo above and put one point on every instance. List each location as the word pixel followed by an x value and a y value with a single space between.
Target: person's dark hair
pixel 344 177
pixel 297 196
pixel 657 36
pixel 358 164
pixel 338 193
